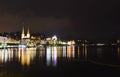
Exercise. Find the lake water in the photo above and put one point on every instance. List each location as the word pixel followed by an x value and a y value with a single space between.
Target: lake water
pixel 54 61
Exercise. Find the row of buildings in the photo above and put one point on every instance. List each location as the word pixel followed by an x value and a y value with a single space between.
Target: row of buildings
pixel 28 40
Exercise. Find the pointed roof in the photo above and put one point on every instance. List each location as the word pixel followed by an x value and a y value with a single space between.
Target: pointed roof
pixel 28 31
pixel 23 29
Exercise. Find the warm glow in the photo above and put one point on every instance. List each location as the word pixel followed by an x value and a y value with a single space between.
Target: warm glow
pixel 70 52
pixel 26 55
pixel 64 43
pixel 71 42
pixel 99 44
pixel 78 51
pixel 119 52
pixel 6 55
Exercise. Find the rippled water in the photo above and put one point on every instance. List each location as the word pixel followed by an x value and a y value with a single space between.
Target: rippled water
pixel 58 61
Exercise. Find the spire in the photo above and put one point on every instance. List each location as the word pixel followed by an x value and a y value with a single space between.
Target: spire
pixel 28 33
pixel 23 33
pixel 23 30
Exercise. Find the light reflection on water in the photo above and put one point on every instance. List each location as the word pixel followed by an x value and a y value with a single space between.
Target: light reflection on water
pixel 6 55
pixel 53 54
pixel 26 55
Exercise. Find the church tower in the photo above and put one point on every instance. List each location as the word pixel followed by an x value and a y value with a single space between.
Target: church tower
pixel 28 33
pixel 23 33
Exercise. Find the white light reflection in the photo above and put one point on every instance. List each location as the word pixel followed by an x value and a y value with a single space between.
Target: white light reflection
pixel 6 55
pixel 48 56
pixel 54 55
pixel 64 51
pixel 51 56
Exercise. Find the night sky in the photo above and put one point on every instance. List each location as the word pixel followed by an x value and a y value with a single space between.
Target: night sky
pixel 75 19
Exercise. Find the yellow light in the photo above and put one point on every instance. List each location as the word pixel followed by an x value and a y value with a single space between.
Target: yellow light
pixel 32 37
pixel 64 43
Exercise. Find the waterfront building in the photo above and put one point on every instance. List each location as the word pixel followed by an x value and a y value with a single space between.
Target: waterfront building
pixel 3 41
pixel 25 39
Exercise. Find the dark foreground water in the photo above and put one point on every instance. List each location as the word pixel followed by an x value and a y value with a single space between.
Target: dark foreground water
pixel 62 61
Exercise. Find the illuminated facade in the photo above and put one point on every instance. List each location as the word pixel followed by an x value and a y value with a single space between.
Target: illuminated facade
pixel 3 39
pixel 25 39
pixel 23 34
pixel 52 40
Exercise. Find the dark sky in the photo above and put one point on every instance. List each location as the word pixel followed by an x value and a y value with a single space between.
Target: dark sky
pixel 75 19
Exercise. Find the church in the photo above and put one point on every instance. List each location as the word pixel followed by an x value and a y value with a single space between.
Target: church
pixel 25 38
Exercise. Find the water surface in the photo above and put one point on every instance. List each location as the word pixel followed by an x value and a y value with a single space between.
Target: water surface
pixel 60 61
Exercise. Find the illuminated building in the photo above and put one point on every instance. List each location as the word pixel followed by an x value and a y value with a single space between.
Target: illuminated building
pixel 23 34
pixel 51 40
pixel 3 41
pixel 26 40
pixel 54 38
pixel 11 40
pixel 71 42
